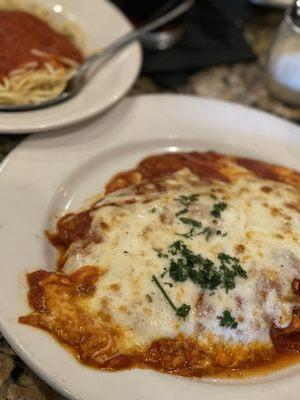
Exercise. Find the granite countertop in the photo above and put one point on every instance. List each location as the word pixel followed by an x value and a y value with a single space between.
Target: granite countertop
pixel 241 83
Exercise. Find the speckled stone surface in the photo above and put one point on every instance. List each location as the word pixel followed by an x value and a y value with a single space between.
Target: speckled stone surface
pixel 242 83
pixel 17 382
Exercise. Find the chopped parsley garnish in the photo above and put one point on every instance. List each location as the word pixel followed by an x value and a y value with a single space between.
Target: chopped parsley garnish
pixel 175 247
pixel 163 274
pixel 181 311
pixel 207 232
pixel 234 262
pixel 228 278
pixel 220 233
pixel 181 212
pixel 218 208
pixel 187 235
pixel 186 201
pixel 156 281
pixel 230 267
pixel 190 221
pixel 194 226
pixel 227 320
pixel 153 210
pixel 160 254
pixel 186 264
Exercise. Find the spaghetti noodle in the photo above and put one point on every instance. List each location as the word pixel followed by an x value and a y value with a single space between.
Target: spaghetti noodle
pixel 39 54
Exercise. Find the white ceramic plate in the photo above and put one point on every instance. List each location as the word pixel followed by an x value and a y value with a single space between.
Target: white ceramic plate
pixel 101 23
pixel 56 172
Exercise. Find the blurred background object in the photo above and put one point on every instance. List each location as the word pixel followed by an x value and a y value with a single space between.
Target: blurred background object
pixel 205 37
pixel 284 60
pixel 275 3
pixel 229 60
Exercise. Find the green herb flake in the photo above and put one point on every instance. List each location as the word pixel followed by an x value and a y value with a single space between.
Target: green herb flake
pixel 175 247
pixel 207 232
pixel 156 281
pixel 230 267
pixel 163 274
pixel 194 226
pixel 153 210
pixel 234 262
pixel 160 254
pixel 213 196
pixel 188 265
pixel 228 278
pixel 181 212
pixel 218 208
pixel 186 201
pixel 187 235
pixel 185 264
pixel 183 311
pixel 227 320
pixel 220 233
pixel 190 221
pixel 149 298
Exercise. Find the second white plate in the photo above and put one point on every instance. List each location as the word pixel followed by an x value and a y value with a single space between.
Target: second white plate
pixel 101 23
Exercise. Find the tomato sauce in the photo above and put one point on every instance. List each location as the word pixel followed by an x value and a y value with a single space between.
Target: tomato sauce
pixel 72 227
pixel 59 308
pixel 77 328
pixel 208 166
pixel 20 32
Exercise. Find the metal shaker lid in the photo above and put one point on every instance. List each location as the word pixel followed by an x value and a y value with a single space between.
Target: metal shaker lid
pixel 295 13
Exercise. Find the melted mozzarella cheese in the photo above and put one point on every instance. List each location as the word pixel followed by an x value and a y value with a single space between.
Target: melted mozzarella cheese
pixel 257 227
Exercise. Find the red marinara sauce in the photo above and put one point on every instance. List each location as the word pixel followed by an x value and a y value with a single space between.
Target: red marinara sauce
pixel 20 32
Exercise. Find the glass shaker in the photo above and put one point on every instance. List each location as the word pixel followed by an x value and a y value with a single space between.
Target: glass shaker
pixel 284 59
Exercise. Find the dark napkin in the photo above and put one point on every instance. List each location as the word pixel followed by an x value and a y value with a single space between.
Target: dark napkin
pixel 212 37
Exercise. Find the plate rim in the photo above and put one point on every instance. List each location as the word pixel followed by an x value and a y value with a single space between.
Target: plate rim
pixel 10 130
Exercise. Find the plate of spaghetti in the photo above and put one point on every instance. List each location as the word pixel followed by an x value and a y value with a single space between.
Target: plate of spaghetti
pixel 42 45
pixel 158 254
